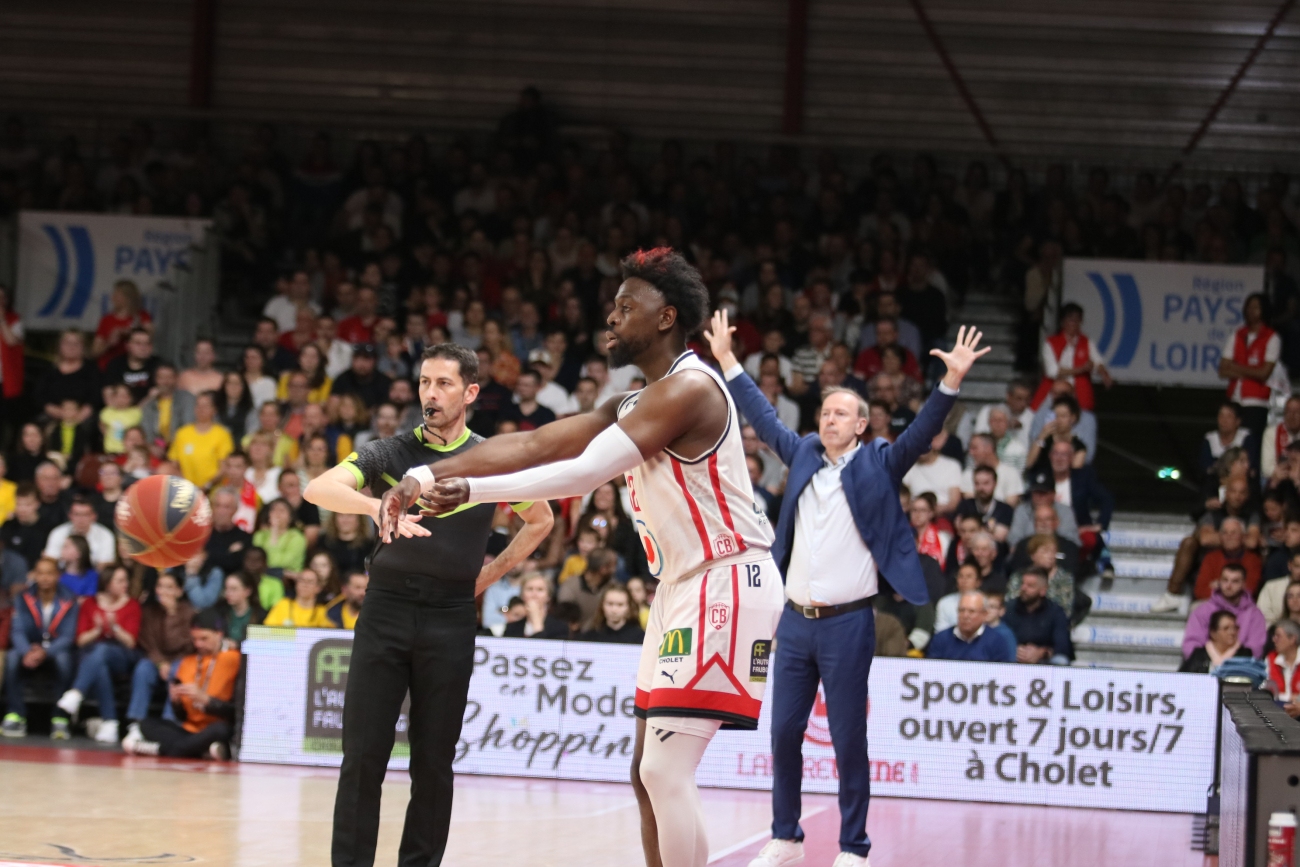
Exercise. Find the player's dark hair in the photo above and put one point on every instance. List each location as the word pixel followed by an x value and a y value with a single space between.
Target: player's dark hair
pixel 676 279
pixel 1070 308
pixel 466 359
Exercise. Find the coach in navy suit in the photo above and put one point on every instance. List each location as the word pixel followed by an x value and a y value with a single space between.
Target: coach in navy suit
pixel 840 528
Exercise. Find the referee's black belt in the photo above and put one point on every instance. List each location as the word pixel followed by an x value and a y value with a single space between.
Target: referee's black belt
pixel 821 612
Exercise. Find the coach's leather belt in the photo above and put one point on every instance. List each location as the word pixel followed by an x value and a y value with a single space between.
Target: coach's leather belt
pixel 821 612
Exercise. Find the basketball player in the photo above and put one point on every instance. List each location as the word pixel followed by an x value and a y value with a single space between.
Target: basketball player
pixel 677 445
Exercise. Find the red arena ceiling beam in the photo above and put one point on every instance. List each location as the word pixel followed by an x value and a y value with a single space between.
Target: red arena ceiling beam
pixel 1231 87
pixel 957 81
pixel 796 54
pixel 202 40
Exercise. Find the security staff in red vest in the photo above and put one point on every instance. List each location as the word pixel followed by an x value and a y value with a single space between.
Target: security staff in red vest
pixel 1248 359
pixel 1068 354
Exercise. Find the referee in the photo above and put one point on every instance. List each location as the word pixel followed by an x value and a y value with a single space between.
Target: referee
pixel 416 630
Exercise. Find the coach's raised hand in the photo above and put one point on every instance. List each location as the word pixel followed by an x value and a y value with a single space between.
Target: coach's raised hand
pixel 962 357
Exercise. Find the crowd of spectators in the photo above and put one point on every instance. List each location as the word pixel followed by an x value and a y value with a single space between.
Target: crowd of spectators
pixel 513 251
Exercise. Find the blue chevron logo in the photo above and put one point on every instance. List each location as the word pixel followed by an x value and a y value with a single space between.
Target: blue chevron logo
pixel 1127 320
pixel 83 252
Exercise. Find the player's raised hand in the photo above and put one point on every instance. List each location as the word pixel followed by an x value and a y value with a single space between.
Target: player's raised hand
pixel 719 337
pixel 447 496
pixel 963 355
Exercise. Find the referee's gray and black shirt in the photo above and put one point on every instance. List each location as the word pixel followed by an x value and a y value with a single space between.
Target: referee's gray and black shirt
pixel 454 551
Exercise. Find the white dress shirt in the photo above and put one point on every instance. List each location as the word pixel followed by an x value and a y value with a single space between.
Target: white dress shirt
pixel 830 564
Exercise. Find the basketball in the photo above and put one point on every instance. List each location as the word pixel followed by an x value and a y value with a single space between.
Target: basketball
pixel 163 520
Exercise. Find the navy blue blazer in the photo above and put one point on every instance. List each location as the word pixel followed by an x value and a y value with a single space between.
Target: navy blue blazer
pixel 871 481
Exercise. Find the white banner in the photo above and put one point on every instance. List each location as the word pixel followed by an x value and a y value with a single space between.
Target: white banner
pixel 1160 323
pixel 68 263
pixel 965 731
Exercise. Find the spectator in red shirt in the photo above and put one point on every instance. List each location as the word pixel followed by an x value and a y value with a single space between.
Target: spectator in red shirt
pixel 869 363
pixel 126 313
pixel 107 630
pixel 359 327
pixel 1233 533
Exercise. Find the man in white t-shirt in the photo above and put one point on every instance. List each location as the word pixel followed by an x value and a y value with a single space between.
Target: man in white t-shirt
pixel 293 294
pixel 82 521
pixel 937 474
pixel 550 394
pixel 1249 356
pixel 983 453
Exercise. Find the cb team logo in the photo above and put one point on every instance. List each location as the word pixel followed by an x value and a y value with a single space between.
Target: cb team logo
pixel 719 614
pixel 1124 318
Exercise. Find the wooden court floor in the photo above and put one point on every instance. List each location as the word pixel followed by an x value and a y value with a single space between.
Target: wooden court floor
pixel 101 809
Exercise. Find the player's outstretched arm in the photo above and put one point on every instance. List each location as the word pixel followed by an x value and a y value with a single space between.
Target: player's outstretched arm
pixel 337 490
pixel 687 411
pixel 502 454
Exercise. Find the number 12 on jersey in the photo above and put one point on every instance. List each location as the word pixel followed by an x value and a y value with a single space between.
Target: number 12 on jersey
pixel 753 575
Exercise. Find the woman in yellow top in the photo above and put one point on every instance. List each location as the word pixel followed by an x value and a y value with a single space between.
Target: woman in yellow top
pixel 304 610
pixel 311 362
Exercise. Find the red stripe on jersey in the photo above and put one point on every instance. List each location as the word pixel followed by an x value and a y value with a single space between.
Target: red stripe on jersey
pixel 722 500
pixel 704 603
pixel 735 612
pixel 642 699
pixel 703 699
pixel 690 688
pixel 695 513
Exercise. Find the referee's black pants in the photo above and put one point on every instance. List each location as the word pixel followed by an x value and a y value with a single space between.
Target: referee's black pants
pixel 416 633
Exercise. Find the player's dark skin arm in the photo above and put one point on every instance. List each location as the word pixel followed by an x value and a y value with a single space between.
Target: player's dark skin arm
pixel 686 412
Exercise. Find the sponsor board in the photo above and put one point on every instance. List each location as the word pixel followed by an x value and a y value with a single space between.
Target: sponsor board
pixel 949 730
pixel 1160 323
pixel 68 263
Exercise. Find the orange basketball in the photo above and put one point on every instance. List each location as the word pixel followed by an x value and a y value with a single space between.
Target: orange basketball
pixel 163 521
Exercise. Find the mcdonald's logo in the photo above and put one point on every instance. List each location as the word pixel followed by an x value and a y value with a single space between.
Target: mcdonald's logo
pixel 676 642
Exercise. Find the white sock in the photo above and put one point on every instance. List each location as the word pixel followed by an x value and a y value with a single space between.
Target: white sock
pixel 668 765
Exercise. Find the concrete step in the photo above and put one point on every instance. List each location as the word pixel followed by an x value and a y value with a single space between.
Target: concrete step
pixel 1152 586
pixel 983 315
pixel 981 390
pixel 1125 536
pixel 1001 372
pixel 1132 609
pixel 1125 658
pixel 1110 636
pixel 1003 335
pixel 1143 566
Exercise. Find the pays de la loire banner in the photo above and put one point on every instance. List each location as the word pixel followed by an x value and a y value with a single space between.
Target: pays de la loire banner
pixel 68 263
pixel 1160 323
pixel 1025 734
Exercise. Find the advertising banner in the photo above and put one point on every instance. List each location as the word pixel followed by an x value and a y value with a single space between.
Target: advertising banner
pixel 1160 323
pixel 966 731
pixel 68 263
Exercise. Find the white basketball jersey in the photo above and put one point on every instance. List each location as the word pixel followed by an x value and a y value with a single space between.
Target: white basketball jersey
pixel 691 514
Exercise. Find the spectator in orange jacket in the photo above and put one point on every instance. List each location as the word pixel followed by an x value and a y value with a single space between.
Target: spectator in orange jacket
pixel 202 691
pixel 1234 550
